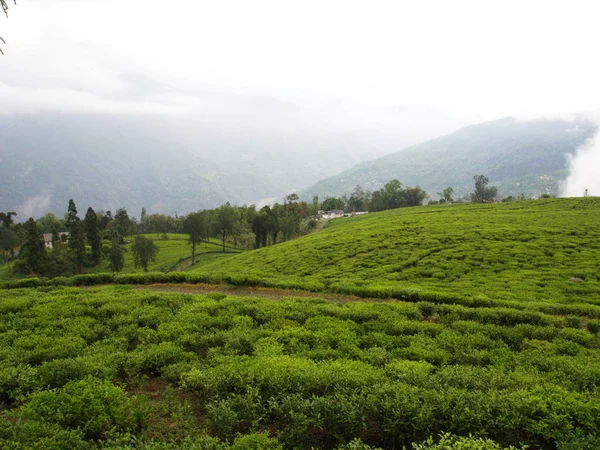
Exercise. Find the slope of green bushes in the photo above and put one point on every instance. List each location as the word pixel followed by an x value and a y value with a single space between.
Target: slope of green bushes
pixel 538 250
pixel 119 367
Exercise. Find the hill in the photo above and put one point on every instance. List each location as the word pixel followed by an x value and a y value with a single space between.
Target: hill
pixel 165 165
pixel 519 157
pixel 526 251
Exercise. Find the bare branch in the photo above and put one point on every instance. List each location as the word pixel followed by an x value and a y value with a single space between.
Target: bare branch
pixel 5 10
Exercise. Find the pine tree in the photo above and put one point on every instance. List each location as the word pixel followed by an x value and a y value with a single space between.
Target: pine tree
pixel 76 236
pixel 93 235
pixel 33 250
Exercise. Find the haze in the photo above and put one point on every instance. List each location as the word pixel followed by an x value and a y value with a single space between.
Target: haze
pixel 388 73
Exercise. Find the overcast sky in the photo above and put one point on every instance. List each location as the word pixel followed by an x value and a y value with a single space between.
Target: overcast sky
pixel 473 60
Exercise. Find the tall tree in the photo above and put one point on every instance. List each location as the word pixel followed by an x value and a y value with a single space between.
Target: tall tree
pixel 122 222
pixel 144 252
pixel 76 236
pixel 93 235
pixel 483 193
pixel 358 199
pixel 224 221
pixel 33 250
pixel 8 241
pixel 197 226
pixel 116 254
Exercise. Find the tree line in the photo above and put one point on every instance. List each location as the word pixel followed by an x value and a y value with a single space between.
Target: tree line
pixel 78 244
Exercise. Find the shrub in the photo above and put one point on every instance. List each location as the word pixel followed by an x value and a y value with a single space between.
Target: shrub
pixel 91 406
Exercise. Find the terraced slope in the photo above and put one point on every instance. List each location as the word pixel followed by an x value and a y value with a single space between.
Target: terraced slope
pixel 542 250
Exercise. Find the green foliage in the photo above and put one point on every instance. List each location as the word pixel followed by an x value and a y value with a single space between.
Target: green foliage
pixel 449 442
pixel 33 251
pixel 483 193
pixel 523 253
pixel 488 339
pixel 91 406
pixel 144 251
pixel 76 236
pixel 93 235
pixel 115 254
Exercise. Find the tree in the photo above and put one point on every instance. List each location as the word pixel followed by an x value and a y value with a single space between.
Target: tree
pixel 144 252
pixel 483 194
pixel 6 218
pixel 332 203
pixel 393 195
pixel 116 254
pixel 224 221
pixel 122 222
pixel 358 199
pixel 8 241
pixel 93 235
pixel 414 196
pixel 76 236
pixel 33 250
pixel 49 223
pixel 197 226
pixel 446 195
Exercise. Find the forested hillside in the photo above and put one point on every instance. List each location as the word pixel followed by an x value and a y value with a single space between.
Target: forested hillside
pixel 519 157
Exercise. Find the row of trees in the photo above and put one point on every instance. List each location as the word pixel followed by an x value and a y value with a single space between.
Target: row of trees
pixel 75 243
pixel 394 195
pixel 101 235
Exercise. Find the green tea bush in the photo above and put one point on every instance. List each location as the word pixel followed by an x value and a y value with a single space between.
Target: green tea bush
pixel 17 433
pixel 152 359
pixel 449 442
pixel 91 406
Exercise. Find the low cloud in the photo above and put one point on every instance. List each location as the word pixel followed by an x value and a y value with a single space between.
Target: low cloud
pixel 34 207
pixel 584 170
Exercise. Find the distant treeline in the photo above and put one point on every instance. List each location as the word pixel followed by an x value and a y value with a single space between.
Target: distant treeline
pixel 71 244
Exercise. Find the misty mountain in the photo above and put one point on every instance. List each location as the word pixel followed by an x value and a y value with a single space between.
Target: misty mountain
pixel 529 157
pixel 167 165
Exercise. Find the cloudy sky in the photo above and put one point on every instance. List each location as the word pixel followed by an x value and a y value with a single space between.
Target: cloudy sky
pixel 471 60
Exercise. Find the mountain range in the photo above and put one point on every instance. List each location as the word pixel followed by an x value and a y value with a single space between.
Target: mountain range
pixel 173 165
pixel 519 157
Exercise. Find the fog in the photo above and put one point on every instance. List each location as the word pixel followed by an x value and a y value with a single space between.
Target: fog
pixel 464 61
pixel 378 76
pixel 584 171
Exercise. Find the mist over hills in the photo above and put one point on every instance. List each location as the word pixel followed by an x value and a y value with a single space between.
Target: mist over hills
pixel 260 149
pixel 166 165
pixel 519 157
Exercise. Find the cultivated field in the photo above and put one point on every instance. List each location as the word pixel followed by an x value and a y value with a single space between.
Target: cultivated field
pixel 473 327
pixel 542 250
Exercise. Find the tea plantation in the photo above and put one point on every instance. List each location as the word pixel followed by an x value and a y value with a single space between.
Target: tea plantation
pixel 481 331
pixel 540 250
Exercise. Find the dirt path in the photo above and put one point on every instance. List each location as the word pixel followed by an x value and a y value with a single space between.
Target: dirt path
pixel 256 292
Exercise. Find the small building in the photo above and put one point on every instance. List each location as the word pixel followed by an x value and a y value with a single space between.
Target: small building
pixel 63 236
pixel 333 214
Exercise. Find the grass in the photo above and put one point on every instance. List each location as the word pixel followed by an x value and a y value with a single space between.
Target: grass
pixel 542 250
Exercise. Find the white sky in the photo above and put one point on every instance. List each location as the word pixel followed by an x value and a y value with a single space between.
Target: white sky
pixel 474 60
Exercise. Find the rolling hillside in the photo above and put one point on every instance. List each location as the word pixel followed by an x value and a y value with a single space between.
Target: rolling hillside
pixel 528 157
pixel 527 251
